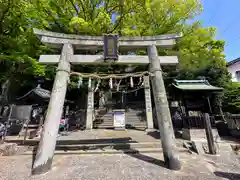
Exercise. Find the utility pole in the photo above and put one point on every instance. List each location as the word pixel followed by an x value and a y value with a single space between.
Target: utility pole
pixel 162 110
pixel 46 148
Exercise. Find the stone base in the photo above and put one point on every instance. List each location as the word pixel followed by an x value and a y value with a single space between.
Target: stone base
pixel 198 134
pixel 201 147
pixel 235 133
pixel 8 149
pixel 150 130
pixel 120 128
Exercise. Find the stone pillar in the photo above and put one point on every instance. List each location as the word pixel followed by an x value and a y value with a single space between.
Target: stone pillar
pixel 46 148
pixel 148 104
pixel 90 106
pixel 101 99
pixel 162 110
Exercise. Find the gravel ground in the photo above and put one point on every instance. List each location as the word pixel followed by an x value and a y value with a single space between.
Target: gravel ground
pixel 124 167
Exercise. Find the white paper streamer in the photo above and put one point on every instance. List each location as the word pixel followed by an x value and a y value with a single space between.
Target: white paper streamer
pixel 97 87
pixel 140 80
pixel 118 86
pixel 89 83
pixel 80 81
pixel 110 83
pixel 131 82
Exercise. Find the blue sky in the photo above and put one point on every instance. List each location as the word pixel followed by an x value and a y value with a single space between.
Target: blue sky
pixel 225 16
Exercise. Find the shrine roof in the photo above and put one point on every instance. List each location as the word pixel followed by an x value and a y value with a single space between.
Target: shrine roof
pixel 38 91
pixel 195 85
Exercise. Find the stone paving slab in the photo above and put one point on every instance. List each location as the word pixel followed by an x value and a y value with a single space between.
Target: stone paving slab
pixel 134 135
pixel 124 167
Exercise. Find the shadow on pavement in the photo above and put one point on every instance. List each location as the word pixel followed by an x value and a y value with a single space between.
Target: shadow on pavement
pixel 148 159
pixel 136 154
pixel 120 144
pixel 156 134
pixel 230 176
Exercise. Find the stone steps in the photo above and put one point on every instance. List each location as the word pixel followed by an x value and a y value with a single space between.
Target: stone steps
pixel 108 151
pixel 104 119
pixel 108 148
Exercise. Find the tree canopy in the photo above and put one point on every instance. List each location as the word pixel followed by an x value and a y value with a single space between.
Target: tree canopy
pixel 200 54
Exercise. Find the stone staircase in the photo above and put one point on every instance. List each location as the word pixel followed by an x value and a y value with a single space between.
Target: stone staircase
pixel 29 131
pixel 103 119
pixel 134 119
pixel 100 141
pixel 103 146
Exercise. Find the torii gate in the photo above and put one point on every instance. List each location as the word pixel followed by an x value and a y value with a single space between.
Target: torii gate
pixel 67 43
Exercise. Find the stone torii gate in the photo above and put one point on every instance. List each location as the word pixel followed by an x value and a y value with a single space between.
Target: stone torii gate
pixel 67 43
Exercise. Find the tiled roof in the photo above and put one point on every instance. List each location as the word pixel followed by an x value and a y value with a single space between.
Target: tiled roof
pixel 194 85
pixel 233 62
pixel 42 93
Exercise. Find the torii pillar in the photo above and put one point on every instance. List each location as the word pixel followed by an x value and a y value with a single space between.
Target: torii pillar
pixel 163 113
pixel 46 148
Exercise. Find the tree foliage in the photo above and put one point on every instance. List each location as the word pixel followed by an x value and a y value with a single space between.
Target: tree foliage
pixel 128 17
pixel 18 48
pixel 199 53
pixel 231 98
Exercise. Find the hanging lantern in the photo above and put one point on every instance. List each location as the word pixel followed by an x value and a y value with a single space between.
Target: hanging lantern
pixel 110 47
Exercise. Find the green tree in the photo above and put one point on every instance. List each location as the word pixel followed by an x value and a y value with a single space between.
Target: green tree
pixel 18 48
pixel 200 55
pixel 95 17
pixel 231 99
pixel 128 17
pixel 198 52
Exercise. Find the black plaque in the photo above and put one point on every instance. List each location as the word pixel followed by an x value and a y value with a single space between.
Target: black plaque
pixel 110 47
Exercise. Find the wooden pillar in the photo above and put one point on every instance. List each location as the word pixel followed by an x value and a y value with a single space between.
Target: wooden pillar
pixel 148 104
pixel 162 110
pixel 209 105
pixel 90 106
pixel 46 148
